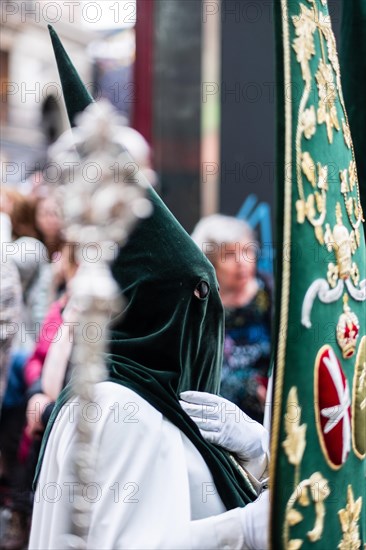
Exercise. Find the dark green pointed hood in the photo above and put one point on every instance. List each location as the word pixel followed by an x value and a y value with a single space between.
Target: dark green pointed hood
pixel 76 96
pixel 167 333
pixel 170 337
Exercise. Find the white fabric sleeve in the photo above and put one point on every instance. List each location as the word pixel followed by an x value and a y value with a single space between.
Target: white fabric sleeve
pixel 240 529
pixel 218 532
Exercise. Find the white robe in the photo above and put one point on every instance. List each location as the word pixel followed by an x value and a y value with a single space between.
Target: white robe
pixel 152 488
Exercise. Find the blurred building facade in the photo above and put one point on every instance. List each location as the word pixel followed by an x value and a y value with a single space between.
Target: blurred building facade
pixel 32 110
pixel 195 77
pixel 205 85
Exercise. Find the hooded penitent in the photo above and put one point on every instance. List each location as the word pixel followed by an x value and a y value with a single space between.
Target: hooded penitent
pixel 319 407
pixel 171 334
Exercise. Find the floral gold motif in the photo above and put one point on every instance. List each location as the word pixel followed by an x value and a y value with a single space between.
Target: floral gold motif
pixel 325 27
pixel 294 544
pixel 313 490
pixel 349 518
pixel 308 167
pixel 313 207
pixel 356 208
pixel 304 46
pixel 308 122
pixel 327 112
pixel 322 177
pixel 309 20
pixel 344 181
pixel 301 211
pixel 319 491
pixel 347 134
pixel 319 233
pixel 295 442
pixel 352 174
pixel 348 183
pixel 294 517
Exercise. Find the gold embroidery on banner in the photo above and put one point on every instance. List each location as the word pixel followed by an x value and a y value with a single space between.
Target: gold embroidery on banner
pixel 349 518
pixel 308 167
pixel 359 402
pixel 319 490
pixel 347 330
pixel 346 134
pixel 344 245
pixel 306 24
pixel 294 446
pixel 308 122
pixel 313 208
pixel 327 31
pixel 348 183
pixel 295 442
pixel 304 45
pixel 327 111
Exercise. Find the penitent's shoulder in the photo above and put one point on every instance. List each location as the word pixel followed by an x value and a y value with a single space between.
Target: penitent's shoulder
pixel 107 394
pixel 114 408
pixel 116 415
pixel 118 404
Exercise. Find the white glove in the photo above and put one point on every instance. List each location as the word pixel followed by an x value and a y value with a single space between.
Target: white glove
pixel 255 522
pixel 239 529
pixel 223 423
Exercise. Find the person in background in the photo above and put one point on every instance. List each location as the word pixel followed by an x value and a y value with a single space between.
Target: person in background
pixel 246 294
pixel 49 220
pixel 10 312
pixel 12 408
pixel 30 397
pixel 46 371
pixel 31 238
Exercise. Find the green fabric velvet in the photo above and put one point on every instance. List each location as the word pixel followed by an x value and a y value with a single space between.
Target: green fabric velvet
pixel 76 96
pixel 308 259
pixel 353 65
pixel 168 339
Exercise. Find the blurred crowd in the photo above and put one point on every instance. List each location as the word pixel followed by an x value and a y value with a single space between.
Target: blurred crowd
pixel 37 266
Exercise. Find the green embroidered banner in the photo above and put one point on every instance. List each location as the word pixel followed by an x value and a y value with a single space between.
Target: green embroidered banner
pixel 319 403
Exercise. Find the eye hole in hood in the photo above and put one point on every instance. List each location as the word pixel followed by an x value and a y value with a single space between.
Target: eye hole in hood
pixel 202 290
